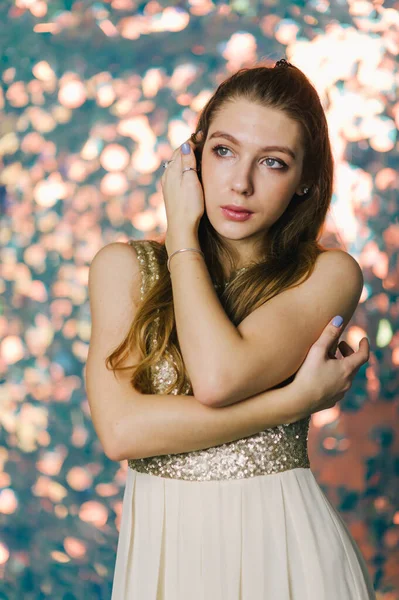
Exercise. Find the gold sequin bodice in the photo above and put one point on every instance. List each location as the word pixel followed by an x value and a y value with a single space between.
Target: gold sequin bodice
pixel 271 451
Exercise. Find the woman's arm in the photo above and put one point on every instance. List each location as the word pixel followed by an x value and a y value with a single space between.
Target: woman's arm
pixel 152 425
pixel 134 425
pixel 169 424
pixel 227 364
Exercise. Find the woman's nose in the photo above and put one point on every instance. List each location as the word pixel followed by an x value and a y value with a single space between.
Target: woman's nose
pixel 242 181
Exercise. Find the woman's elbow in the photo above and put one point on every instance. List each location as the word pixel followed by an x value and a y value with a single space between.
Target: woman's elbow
pixel 111 448
pixel 113 452
pixel 108 449
pixel 118 448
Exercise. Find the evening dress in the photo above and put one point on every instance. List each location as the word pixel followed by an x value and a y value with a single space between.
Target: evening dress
pixel 245 520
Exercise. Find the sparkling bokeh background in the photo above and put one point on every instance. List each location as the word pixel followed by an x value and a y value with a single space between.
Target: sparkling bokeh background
pixel 93 97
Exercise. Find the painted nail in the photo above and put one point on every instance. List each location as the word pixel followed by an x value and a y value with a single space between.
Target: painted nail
pixel 186 149
pixel 337 321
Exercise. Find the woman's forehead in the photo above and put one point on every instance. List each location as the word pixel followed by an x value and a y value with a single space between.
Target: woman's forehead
pixel 249 123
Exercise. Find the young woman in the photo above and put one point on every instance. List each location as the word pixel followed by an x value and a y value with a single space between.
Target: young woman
pixel 223 341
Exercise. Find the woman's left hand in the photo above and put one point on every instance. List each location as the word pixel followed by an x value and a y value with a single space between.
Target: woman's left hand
pixel 182 192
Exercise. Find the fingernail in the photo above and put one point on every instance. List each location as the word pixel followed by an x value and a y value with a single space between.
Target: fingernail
pixel 186 148
pixel 337 321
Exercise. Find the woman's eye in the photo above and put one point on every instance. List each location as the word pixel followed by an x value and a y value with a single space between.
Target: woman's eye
pixel 221 150
pixel 280 162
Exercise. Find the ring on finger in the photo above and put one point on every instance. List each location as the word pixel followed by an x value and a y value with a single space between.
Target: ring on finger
pixel 188 169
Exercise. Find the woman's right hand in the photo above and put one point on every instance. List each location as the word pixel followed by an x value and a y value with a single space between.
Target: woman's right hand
pixel 323 379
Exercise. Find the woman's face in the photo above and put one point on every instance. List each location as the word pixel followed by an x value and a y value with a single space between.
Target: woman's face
pixel 238 168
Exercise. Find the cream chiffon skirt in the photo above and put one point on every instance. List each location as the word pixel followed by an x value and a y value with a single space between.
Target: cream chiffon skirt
pixel 273 537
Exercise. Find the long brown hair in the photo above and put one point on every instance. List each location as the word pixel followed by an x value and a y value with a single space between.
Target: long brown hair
pixel 290 245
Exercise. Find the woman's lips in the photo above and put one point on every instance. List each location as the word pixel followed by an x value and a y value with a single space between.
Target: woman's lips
pixel 236 215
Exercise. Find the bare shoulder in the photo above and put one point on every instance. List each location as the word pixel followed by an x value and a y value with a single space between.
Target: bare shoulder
pixel 336 281
pixel 115 252
pixel 343 267
pixel 115 268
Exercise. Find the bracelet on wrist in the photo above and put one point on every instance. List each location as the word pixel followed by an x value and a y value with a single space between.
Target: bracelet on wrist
pixel 182 250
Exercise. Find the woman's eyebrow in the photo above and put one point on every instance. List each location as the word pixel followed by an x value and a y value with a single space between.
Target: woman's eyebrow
pixel 231 138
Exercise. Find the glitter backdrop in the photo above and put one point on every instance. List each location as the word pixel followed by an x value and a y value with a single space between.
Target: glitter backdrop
pixel 93 97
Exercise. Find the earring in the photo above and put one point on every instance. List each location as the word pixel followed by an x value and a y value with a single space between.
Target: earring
pixel 305 190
